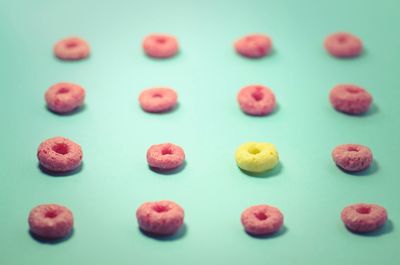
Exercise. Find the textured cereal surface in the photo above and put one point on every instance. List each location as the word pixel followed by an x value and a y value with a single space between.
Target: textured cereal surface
pixel 51 221
pixel 343 45
pixel 160 45
pixel 352 157
pixel 257 157
pixel 71 48
pixel 254 45
pixel 160 218
pixel 262 220
pixel 256 100
pixel 364 217
pixel 59 154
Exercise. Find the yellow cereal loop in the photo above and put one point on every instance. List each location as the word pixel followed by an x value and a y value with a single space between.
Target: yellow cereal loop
pixel 257 157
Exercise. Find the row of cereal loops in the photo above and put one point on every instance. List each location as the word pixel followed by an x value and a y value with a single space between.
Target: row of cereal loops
pixel 60 155
pixel 166 218
pixel 256 100
pixel 340 44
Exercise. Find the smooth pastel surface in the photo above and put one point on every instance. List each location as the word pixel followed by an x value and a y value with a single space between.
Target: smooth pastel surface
pixel 64 97
pixel 261 220
pixel 115 133
pixel 71 49
pixel 352 157
pixel 256 157
pixel 160 218
pixel 364 217
pixel 51 221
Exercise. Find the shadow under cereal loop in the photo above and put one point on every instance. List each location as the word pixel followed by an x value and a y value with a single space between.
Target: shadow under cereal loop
pixel 51 241
pixel 279 233
pixel 60 174
pixel 387 228
pixel 178 235
pixel 71 113
pixel 373 168
pixel 169 171
pixel 267 174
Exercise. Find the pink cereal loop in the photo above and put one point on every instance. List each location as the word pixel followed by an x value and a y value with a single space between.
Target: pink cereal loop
pixel 343 45
pixel 364 217
pixel 165 156
pixel 158 99
pixel 254 45
pixel 260 220
pixel 256 100
pixel 160 218
pixel 352 157
pixel 59 154
pixel 64 97
pixel 71 48
pixel 350 99
pixel 160 45
pixel 50 221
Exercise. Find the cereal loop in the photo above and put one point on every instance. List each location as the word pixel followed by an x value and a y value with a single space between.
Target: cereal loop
pixel 72 48
pixel 257 157
pixel 160 46
pixel 363 217
pixel 158 99
pixel 254 46
pixel 59 154
pixel 350 99
pixel 343 45
pixel 165 156
pixel 352 157
pixel 64 97
pixel 261 220
pixel 160 218
pixel 50 221
pixel 256 100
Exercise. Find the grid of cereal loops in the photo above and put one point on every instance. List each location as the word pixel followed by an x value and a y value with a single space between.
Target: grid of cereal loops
pixel 160 218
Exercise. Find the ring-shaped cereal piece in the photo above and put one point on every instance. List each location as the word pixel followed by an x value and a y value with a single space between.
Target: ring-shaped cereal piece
pixel 352 157
pixel 158 99
pixel 160 45
pixel 256 100
pixel 364 217
pixel 165 156
pixel 254 46
pixel 59 154
pixel 50 221
pixel 64 97
pixel 72 48
pixel 351 99
pixel 257 157
pixel 160 218
pixel 261 220
pixel 343 45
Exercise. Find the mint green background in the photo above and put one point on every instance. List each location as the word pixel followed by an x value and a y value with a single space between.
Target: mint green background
pixel 115 134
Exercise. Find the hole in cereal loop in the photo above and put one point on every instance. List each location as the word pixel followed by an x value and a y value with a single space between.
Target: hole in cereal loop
pixel 51 214
pixel 261 216
pixel 364 210
pixel 160 208
pixel 61 149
